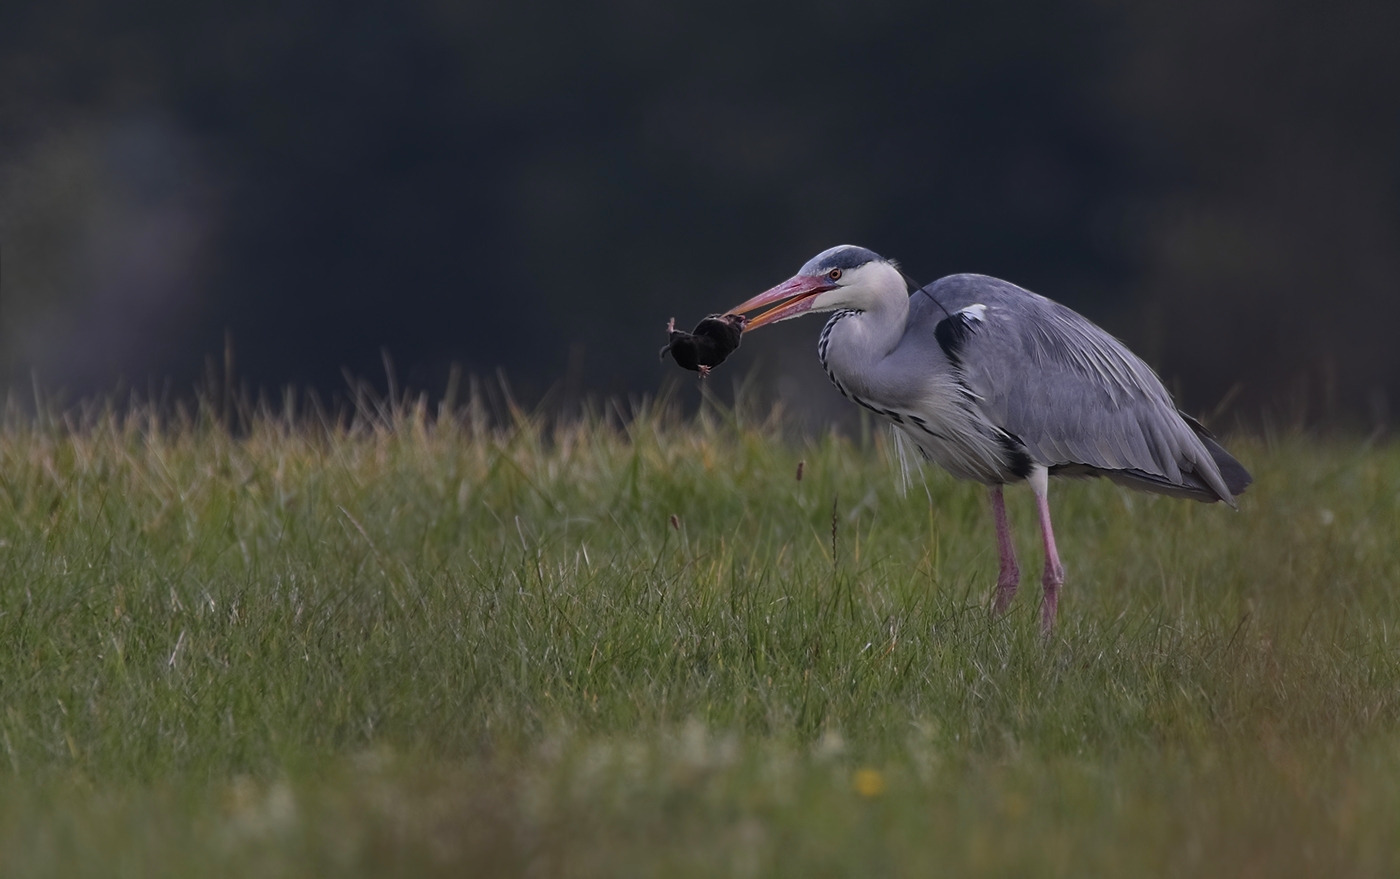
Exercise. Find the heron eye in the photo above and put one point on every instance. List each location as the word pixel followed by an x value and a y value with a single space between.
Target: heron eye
pixel 834 274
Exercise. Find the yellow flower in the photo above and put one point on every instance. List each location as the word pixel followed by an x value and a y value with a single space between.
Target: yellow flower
pixel 869 782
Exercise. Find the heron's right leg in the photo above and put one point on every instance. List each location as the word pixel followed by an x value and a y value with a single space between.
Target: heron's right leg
pixel 1009 577
pixel 1054 571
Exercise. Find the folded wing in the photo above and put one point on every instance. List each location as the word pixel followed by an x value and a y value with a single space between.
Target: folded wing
pixel 1078 400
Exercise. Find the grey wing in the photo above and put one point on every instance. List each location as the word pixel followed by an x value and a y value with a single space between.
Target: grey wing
pixel 1078 400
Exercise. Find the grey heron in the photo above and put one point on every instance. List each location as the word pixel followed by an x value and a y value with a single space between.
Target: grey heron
pixel 997 384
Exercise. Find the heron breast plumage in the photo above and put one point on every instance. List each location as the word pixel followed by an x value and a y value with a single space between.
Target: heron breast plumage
pixel 918 389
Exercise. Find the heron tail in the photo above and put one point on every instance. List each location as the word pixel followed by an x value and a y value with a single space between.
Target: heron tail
pixel 1237 479
pixel 1232 472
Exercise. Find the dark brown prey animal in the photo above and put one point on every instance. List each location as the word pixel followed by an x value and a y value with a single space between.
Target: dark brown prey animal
pixel 712 341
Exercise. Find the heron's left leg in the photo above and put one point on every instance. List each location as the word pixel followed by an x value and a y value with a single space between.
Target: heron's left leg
pixel 1009 577
pixel 1054 571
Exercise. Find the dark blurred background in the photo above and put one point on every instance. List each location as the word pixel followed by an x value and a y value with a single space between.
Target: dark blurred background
pixel 538 186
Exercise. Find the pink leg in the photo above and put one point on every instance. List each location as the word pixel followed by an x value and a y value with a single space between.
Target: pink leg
pixel 1054 571
pixel 1009 577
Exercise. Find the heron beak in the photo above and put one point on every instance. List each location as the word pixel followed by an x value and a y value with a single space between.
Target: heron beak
pixel 789 299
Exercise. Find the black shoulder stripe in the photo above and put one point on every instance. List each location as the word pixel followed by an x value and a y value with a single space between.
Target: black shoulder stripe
pixel 1017 459
pixel 952 334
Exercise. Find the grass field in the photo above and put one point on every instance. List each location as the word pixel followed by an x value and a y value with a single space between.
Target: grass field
pixel 424 647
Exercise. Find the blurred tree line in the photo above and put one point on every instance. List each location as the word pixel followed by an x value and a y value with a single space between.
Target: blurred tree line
pixel 538 186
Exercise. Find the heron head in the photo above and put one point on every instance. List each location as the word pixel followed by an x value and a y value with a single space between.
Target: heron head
pixel 844 277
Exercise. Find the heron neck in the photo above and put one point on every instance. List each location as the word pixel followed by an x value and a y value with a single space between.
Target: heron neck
pixel 855 343
pixel 882 324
